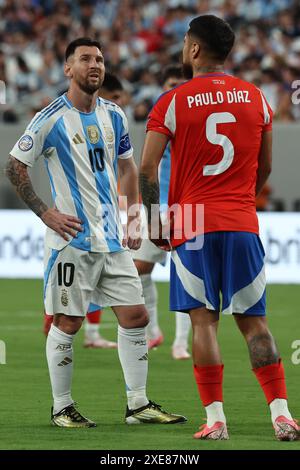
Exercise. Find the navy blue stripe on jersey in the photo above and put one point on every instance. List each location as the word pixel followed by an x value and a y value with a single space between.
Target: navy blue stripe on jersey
pixel 59 134
pixel 51 261
pixel 40 122
pixel 53 191
pixel 103 187
pixel 67 101
pixel 44 112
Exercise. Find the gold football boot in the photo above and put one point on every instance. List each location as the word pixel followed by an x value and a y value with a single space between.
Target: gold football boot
pixel 152 414
pixel 69 417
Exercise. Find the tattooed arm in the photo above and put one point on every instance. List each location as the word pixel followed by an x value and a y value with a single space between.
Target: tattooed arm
pixel 17 173
pixel 155 144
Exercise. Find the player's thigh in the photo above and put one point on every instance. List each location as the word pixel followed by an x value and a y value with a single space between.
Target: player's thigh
pixel 195 280
pixel 70 277
pixel 119 284
pixel 243 274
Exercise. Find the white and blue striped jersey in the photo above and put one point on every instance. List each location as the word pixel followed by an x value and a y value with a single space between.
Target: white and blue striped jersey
pixel 81 151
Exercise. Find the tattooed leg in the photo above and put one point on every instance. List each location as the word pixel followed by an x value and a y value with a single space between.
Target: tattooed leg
pixel 261 344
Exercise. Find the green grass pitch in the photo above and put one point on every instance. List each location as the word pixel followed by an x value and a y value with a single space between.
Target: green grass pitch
pixel 98 386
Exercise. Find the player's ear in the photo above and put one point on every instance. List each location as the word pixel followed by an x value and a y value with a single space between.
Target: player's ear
pixel 196 48
pixel 68 70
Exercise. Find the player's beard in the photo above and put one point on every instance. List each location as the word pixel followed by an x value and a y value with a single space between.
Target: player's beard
pixel 89 88
pixel 187 71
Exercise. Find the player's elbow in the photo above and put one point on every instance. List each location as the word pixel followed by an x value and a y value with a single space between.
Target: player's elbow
pixel 147 169
pixel 268 169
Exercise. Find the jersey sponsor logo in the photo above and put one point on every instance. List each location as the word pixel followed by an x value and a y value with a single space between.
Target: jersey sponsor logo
pixel 93 134
pixel 109 135
pixel 25 143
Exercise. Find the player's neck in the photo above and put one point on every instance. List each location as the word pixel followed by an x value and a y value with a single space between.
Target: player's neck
pixel 81 100
pixel 209 68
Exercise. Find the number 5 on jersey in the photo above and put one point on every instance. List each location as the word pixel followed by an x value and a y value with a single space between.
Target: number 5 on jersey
pixel 219 139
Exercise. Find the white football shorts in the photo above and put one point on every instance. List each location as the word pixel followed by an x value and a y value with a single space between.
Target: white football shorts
pixel 73 278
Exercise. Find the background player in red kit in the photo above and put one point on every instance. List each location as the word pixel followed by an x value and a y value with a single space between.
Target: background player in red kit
pixel 220 128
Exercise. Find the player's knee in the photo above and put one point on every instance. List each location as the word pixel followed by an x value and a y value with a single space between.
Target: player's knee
pixel 68 324
pixel 258 335
pixel 140 319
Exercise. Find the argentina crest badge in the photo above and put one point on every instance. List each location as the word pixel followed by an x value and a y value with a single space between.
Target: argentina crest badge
pixel 93 134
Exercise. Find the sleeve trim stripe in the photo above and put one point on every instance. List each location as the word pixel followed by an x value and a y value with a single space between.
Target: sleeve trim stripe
pixel 265 108
pixel 44 112
pixel 170 117
pixel 38 125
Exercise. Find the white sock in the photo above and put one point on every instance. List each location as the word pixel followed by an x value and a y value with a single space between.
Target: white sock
pixel 183 325
pixel 91 330
pixel 214 412
pixel 150 294
pixel 59 351
pixel 133 355
pixel 279 407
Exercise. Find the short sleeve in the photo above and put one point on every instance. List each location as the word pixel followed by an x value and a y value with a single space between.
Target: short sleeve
pixel 30 146
pixel 125 149
pixel 268 114
pixel 162 117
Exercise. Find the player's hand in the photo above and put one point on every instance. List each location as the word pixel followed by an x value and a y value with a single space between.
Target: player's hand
pixel 62 224
pixel 132 233
pixel 163 241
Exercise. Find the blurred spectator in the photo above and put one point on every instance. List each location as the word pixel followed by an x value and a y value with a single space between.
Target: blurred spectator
pixel 140 38
pixel 112 89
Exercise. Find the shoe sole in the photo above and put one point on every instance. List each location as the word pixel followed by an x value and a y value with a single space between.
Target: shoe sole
pixel 76 426
pixel 223 436
pixel 131 420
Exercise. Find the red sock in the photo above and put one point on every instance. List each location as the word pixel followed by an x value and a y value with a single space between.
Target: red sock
pixel 94 317
pixel 272 381
pixel 209 380
pixel 48 319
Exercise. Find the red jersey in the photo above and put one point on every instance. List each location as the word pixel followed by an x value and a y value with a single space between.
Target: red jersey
pixel 215 123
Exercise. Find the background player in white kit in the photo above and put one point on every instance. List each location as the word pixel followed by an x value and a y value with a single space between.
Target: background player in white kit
pixel 149 254
pixel 84 140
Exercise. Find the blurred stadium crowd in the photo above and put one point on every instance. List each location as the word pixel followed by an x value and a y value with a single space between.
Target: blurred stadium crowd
pixel 140 38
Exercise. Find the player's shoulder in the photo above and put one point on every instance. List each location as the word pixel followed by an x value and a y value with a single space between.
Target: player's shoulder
pixel 110 106
pixel 240 82
pixel 49 114
pixel 167 96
